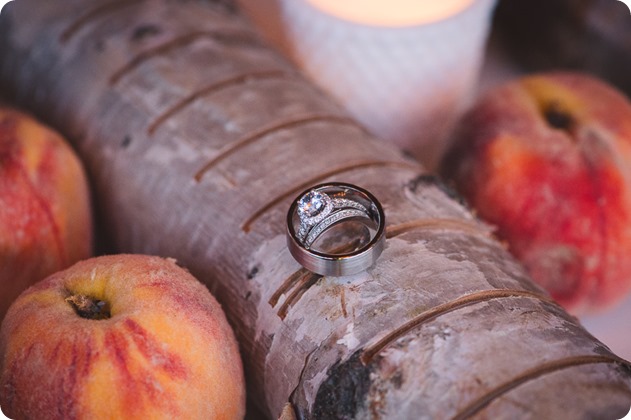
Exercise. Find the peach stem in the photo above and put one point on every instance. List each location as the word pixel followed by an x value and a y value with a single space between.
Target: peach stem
pixel 89 308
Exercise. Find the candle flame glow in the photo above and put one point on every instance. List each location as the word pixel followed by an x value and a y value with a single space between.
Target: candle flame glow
pixel 391 12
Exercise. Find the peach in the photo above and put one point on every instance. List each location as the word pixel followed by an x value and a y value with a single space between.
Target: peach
pixel 547 159
pixel 121 336
pixel 45 215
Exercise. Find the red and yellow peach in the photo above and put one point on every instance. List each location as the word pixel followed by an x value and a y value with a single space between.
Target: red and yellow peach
pixel 45 215
pixel 547 159
pixel 123 336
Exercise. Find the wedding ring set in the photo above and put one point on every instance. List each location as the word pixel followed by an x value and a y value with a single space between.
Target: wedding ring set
pixel 336 229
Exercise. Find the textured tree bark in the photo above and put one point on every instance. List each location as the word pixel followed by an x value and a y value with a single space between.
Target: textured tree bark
pixel 197 137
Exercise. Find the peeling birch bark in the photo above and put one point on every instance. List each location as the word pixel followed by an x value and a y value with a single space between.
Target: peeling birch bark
pixel 197 137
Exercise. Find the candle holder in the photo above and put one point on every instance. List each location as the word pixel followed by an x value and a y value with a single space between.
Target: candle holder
pixel 406 71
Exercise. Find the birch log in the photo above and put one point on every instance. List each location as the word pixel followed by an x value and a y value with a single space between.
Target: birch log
pixel 197 137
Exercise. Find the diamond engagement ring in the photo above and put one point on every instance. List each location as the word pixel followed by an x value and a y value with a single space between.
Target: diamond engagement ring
pixel 335 229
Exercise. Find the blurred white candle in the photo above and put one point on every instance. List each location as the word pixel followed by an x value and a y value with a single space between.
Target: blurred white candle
pixel 404 68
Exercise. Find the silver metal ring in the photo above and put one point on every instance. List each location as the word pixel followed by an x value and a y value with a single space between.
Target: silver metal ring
pixel 314 239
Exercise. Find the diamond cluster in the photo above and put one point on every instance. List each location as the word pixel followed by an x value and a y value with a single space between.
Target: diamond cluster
pixel 313 207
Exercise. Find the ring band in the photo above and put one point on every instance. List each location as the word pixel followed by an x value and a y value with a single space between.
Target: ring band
pixel 320 208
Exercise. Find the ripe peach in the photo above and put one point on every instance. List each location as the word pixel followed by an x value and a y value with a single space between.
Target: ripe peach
pixel 45 219
pixel 547 159
pixel 122 336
